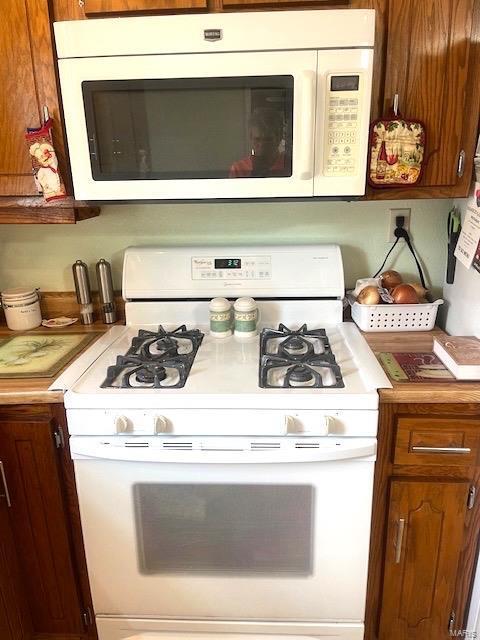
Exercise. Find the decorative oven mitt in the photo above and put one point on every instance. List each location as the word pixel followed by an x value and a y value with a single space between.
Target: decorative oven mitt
pixel 45 162
pixel 397 150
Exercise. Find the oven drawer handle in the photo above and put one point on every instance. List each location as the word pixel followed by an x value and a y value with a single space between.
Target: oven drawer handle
pixel 441 449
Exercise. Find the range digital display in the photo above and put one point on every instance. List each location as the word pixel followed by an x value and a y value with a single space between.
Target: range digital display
pixel 228 263
pixel 344 83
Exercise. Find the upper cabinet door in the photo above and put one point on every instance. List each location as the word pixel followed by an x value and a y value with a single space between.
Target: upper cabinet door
pixel 429 65
pixel 27 78
pixel 98 7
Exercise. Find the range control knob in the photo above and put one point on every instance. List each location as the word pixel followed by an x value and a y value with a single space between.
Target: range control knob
pixel 291 425
pixel 328 425
pixel 160 425
pixel 122 424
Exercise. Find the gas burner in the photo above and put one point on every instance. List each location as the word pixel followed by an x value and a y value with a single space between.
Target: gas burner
pixel 153 345
pixel 156 360
pixel 297 359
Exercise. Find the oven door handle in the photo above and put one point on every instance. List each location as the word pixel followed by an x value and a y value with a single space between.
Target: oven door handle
pixel 242 451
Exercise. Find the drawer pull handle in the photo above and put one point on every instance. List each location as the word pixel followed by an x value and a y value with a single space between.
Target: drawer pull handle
pixel 399 540
pixel 6 493
pixel 441 449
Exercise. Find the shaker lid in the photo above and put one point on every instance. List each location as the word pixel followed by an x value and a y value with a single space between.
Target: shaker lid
pixel 245 304
pixel 220 304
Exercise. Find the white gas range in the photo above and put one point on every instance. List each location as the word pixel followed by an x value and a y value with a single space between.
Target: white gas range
pixel 223 490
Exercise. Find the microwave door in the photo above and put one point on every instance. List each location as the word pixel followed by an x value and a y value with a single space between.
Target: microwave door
pixel 227 125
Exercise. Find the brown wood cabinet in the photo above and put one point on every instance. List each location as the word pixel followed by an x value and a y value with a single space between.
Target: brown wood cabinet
pixel 425 521
pixel 104 7
pixel 28 81
pixel 41 505
pixel 431 62
pixel 27 77
pixel 423 545
pixel 14 617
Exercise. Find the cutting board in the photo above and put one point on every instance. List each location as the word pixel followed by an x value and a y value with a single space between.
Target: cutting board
pixel 40 355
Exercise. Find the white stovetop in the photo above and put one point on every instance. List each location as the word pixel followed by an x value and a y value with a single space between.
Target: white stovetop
pixel 224 375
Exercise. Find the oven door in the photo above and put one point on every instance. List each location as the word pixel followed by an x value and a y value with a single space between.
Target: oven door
pixel 226 125
pixel 227 530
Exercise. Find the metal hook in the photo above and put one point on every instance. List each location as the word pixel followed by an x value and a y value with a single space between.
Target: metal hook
pixel 395 104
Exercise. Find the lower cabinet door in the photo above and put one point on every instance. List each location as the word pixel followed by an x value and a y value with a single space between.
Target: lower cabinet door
pixel 424 540
pixel 39 524
pixel 14 618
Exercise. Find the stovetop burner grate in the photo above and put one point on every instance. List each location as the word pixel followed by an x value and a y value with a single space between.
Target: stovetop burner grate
pixel 156 360
pixel 303 358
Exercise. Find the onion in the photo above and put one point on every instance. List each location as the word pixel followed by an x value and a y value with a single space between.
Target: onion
pixel 369 295
pixel 420 291
pixel 404 294
pixel 390 279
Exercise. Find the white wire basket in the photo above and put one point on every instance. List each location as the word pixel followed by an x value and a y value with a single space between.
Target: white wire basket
pixel 395 317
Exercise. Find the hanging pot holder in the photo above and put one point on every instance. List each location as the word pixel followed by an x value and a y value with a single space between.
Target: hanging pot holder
pixel 44 162
pixel 397 151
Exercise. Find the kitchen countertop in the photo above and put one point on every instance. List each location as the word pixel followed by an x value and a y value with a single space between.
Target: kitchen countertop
pixel 420 392
pixel 35 390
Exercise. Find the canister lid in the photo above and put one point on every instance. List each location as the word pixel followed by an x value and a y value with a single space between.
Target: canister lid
pixel 18 293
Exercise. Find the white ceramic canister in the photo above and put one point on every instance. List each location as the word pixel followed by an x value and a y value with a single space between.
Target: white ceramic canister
pixel 220 318
pixel 22 308
pixel 246 317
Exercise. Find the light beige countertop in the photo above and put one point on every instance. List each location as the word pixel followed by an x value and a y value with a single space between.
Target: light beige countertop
pixel 35 390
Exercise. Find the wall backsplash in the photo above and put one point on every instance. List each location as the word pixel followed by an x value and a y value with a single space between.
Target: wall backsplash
pixel 41 255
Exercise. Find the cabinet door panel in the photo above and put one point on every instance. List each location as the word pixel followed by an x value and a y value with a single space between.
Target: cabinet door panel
pixel 94 7
pixel 14 620
pixel 27 78
pixel 425 532
pixel 428 58
pixel 39 523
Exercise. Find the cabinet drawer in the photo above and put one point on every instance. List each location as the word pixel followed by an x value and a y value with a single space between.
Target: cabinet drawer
pixel 445 441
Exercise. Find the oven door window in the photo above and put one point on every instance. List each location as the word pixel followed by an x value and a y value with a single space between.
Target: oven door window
pixel 192 128
pixel 224 528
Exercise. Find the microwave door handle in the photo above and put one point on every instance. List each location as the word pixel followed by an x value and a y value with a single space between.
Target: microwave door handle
pixel 307 119
pixel 84 447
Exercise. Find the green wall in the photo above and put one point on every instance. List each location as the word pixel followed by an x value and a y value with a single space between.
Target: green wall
pixel 41 255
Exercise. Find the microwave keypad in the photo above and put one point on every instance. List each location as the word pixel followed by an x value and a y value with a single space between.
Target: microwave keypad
pixel 342 135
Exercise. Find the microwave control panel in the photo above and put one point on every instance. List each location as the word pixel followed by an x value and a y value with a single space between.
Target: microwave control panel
pixel 342 125
pixel 215 268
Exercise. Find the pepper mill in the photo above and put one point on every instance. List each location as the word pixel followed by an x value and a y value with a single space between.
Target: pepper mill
pixel 105 290
pixel 82 288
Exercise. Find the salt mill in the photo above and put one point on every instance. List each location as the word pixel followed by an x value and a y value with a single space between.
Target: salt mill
pixel 82 288
pixel 105 290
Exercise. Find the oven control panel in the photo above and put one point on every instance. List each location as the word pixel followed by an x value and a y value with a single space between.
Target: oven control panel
pixel 234 267
pixel 342 125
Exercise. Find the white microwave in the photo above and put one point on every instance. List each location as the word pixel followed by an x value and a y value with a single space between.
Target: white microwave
pixel 218 106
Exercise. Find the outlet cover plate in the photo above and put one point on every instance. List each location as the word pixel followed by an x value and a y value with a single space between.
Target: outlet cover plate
pixel 392 216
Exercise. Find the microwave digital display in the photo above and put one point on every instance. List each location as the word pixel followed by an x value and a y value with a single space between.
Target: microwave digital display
pixel 344 83
pixel 228 263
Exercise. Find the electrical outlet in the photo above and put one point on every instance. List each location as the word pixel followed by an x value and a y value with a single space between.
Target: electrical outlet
pixel 392 222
